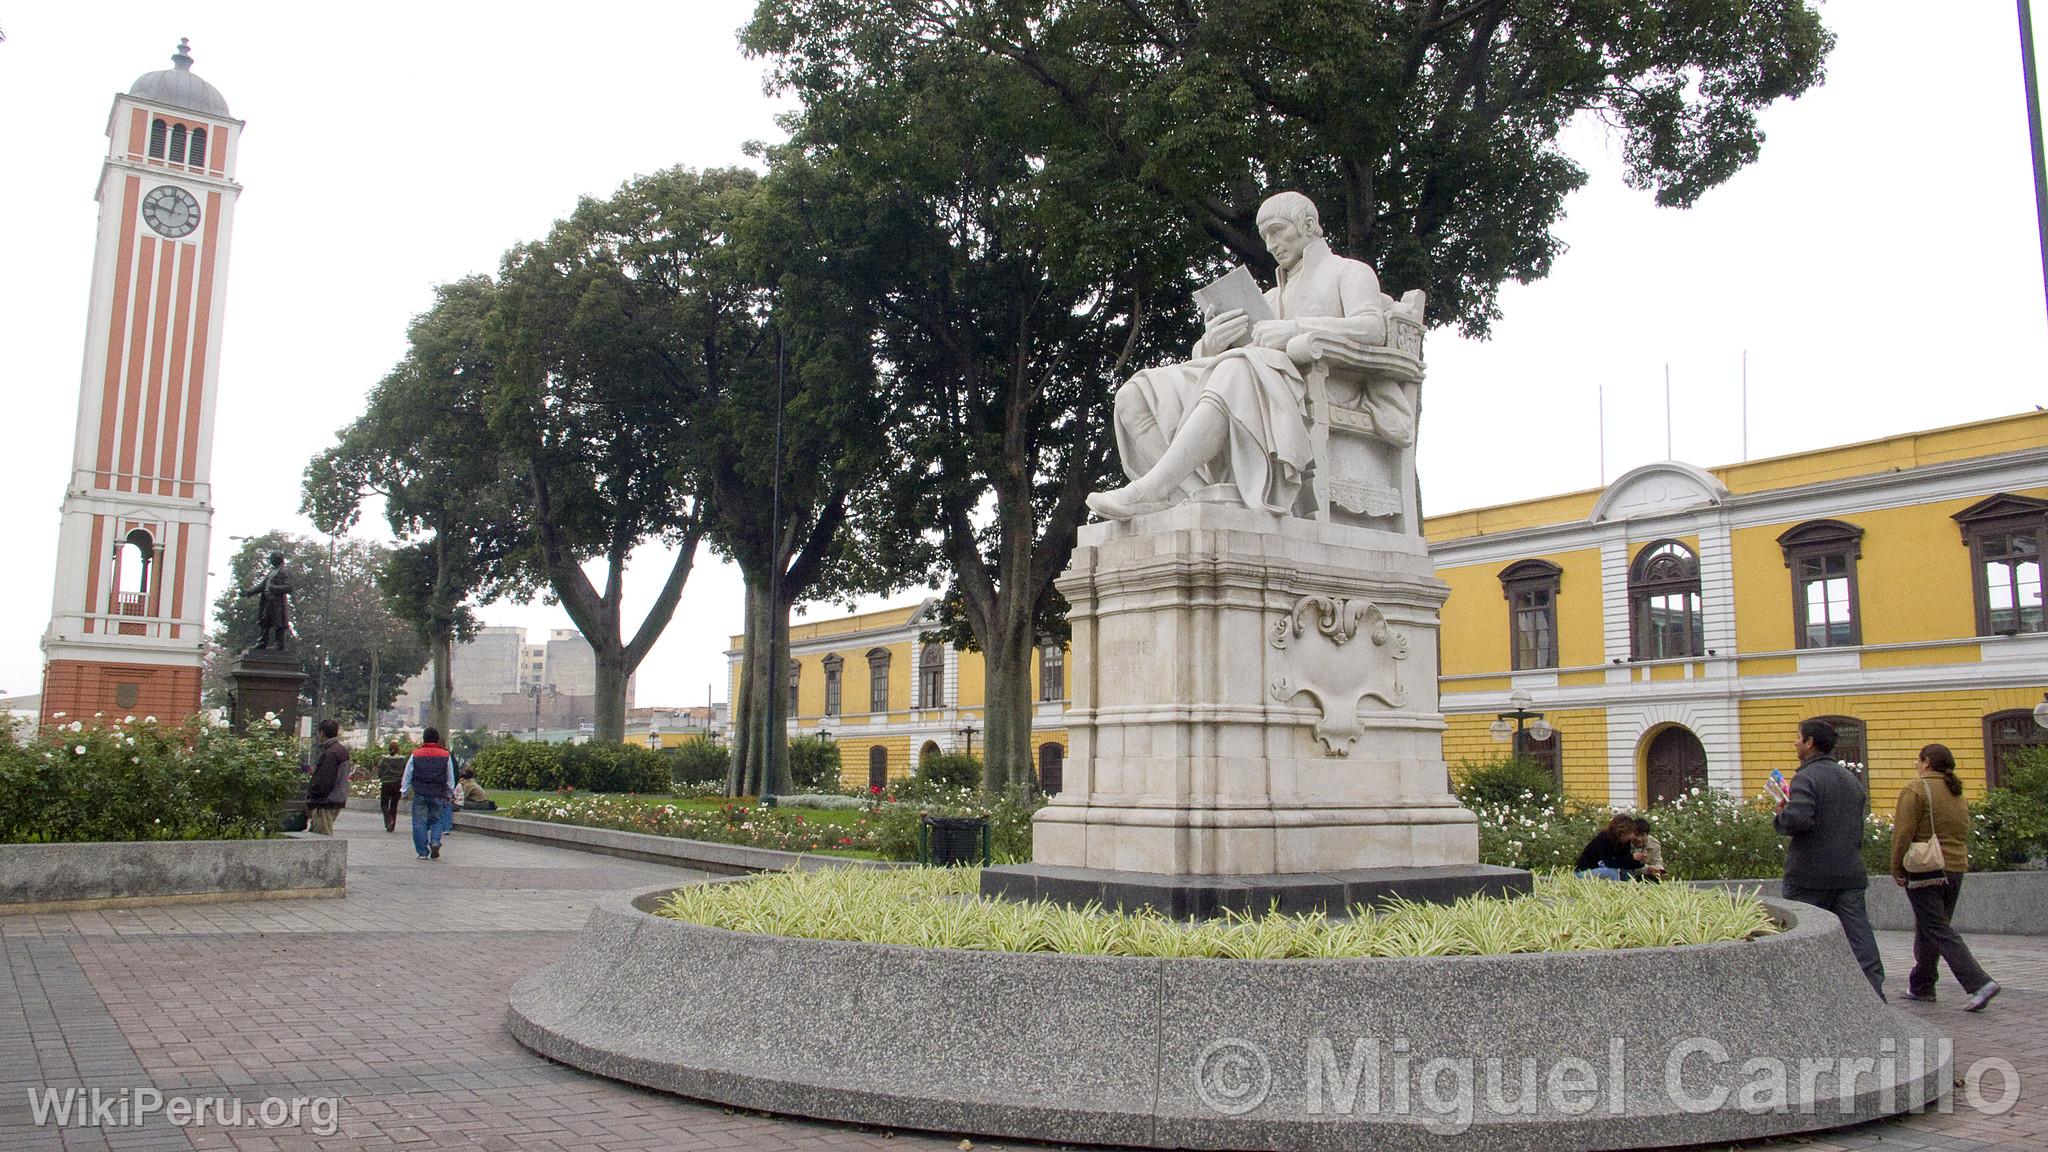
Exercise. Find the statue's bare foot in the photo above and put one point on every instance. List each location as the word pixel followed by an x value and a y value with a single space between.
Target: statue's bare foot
pixel 1123 503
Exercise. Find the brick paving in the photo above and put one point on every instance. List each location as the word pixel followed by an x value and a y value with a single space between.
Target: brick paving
pixel 393 1000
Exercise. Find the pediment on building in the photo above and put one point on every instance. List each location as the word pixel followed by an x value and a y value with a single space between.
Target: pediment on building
pixel 2003 506
pixel 1656 489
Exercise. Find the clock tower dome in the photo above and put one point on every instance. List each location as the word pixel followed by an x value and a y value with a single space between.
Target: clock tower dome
pixel 128 624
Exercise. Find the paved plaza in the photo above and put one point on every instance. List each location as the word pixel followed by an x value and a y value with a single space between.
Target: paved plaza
pixel 393 1000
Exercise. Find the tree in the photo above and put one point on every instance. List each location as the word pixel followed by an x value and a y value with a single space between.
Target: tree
pixel 1427 130
pixel 420 447
pixel 1045 178
pixel 606 339
pixel 794 442
pixel 1014 273
pixel 339 619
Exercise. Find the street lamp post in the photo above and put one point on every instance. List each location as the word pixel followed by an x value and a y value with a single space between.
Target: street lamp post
pixel 968 731
pixel 535 691
pixel 1528 725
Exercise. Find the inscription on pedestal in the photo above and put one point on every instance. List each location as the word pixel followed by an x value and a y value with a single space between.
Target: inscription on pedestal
pixel 1319 660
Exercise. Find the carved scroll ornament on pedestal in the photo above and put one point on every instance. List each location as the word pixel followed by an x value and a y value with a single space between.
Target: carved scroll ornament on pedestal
pixel 1323 658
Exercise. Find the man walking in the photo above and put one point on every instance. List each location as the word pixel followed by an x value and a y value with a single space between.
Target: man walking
pixel 327 793
pixel 390 780
pixel 430 777
pixel 1823 814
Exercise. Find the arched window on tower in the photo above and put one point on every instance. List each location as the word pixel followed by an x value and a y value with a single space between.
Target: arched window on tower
pixel 177 143
pixel 195 153
pixel 132 563
pixel 157 131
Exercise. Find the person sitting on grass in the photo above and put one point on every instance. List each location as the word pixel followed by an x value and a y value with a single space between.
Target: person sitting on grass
pixel 1649 851
pixel 1611 853
pixel 472 795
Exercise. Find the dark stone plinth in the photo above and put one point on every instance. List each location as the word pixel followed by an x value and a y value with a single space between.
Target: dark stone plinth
pixel 266 680
pixel 1181 897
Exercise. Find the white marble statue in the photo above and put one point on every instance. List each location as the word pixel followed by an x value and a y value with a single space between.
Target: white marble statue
pixel 1237 414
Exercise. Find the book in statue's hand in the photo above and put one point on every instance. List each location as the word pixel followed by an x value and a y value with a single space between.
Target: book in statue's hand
pixel 1234 290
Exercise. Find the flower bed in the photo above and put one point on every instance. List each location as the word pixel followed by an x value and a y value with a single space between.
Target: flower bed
pixel 1706 834
pixel 734 823
pixel 137 779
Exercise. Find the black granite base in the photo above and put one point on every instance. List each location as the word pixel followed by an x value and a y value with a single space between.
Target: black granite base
pixel 1194 896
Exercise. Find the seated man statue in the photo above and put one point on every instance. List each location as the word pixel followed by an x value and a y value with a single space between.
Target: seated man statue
pixel 1235 414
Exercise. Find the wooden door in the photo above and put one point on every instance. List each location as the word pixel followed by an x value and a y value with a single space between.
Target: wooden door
pixel 1675 764
pixel 1052 761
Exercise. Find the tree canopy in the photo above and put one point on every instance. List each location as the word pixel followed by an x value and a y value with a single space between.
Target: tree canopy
pixel 1427 130
pixel 421 448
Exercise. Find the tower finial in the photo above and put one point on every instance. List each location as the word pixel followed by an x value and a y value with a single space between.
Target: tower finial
pixel 183 56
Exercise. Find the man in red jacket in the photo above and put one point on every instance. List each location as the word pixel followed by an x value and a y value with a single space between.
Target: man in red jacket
pixel 430 777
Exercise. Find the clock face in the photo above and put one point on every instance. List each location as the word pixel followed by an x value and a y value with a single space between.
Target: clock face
pixel 171 210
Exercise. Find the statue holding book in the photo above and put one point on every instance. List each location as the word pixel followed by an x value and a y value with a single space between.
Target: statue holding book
pixel 1251 413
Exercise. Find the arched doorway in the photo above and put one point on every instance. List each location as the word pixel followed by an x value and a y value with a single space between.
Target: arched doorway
pixel 878 768
pixel 930 749
pixel 1674 764
pixel 1052 761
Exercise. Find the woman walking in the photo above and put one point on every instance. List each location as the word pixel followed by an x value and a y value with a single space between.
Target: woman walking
pixel 1931 808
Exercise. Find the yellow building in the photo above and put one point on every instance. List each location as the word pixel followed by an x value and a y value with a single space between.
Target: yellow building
pixel 1676 626
pixel 888 698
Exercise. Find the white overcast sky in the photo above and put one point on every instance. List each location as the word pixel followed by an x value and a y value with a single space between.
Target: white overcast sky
pixel 1879 263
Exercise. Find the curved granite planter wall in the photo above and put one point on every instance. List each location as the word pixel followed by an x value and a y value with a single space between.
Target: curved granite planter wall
pixel 1232 1054
pixel 53 877
pixel 1993 903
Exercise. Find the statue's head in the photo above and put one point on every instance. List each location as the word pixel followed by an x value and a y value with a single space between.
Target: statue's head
pixel 277 559
pixel 1287 222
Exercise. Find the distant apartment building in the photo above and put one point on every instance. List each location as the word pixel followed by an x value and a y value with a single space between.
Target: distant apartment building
pixel 505 684
pixel 488 666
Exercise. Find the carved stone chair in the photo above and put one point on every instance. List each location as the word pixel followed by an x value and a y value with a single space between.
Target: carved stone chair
pixel 1364 399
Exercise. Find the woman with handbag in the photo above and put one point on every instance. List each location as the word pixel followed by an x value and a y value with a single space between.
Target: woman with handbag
pixel 1930 854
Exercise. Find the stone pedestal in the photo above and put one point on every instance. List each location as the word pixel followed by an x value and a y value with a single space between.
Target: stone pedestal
pixel 266 680
pixel 1254 699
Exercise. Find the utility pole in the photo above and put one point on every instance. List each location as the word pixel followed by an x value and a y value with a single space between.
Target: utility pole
pixel 2028 72
pixel 373 697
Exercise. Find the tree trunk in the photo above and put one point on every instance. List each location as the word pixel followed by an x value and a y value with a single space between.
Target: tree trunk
pixel 746 697
pixel 443 697
pixel 756 670
pixel 777 757
pixel 610 721
pixel 1008 720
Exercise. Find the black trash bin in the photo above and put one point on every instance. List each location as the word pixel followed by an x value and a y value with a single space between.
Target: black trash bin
pixel 944 841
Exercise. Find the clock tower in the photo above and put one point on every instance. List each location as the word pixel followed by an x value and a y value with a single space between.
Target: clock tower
pixel 128 624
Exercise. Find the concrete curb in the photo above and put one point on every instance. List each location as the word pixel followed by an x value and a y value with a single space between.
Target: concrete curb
pixel 1224 1053
pixel 702 855
pixel 1993 903
pixel 129 873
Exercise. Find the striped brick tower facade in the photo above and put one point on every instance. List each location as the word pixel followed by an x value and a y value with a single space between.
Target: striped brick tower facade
pixel 128 622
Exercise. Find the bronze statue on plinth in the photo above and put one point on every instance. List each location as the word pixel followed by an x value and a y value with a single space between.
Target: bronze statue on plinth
pixel 273 611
